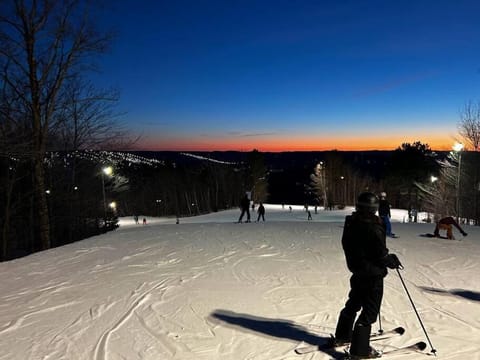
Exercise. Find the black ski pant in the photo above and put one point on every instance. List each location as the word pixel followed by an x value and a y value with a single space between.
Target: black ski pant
pixel 244 211
pixel 366 295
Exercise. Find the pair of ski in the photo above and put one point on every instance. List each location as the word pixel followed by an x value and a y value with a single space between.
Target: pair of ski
pixel 398 331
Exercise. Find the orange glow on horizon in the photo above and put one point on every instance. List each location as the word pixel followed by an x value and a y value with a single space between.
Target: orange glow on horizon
pixel 440 143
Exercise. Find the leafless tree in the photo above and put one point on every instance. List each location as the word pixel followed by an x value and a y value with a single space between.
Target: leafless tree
pixel 469 124
pixel 318 184
pixel 258 176
pixel 43 44
pixel 87 119
pixel 440 194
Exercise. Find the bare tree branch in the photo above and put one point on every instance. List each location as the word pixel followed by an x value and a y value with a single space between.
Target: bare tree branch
pixel 43 44
pixel 469 124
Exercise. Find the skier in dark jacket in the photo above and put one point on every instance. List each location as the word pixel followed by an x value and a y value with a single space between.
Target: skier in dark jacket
pixel 245 207
pixel 367 259
pixel 384 213
pixel 261 212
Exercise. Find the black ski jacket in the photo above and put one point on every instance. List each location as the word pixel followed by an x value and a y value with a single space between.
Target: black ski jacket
pixel 384 208
pixel 245 203
pixel 364 245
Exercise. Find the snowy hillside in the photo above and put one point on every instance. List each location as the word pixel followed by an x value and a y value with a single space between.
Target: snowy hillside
pixel 209 288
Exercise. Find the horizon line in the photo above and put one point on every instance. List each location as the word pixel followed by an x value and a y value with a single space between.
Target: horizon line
pixel 279 151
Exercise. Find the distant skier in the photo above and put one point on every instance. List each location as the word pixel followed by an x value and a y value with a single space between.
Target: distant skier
pixel 309 215
pixel 367 257
pixel 384 213
pixel 412 215
pixel 245 208
pixel 261 212
pixel 135 217
pixel 144 221
pixel 446 224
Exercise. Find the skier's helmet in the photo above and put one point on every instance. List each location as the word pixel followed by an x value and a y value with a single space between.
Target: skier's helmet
pixel 367 202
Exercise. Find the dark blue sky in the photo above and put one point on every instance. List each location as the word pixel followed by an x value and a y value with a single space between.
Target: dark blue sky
pixel 292 75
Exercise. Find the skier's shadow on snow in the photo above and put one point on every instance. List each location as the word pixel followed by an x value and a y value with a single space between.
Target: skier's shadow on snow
pixel 467 294
pixel 272 327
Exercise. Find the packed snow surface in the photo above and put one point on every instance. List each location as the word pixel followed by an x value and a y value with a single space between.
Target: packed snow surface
pixel 210 288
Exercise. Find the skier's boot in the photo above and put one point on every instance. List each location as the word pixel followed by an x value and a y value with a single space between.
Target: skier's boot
pixel 360 347
pixel 343 331
pixel 374 354
pixel 333 342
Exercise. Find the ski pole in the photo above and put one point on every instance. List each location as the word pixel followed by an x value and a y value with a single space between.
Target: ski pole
pixel 380 331
pixel 416 312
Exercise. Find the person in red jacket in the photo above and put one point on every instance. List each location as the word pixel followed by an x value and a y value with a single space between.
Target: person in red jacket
pixel 446 224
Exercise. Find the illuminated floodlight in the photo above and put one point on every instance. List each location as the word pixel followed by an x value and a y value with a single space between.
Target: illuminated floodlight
pixel 457 146
pixel 108 170
pixel 113 205
pixel 433 178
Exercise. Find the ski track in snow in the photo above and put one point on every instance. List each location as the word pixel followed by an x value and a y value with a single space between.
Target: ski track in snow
pixel 159 291
pixel 101 348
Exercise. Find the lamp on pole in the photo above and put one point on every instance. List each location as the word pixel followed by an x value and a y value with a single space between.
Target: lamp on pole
pixel 344 190
pixel 458 147
pixel 107 170
pixel 433 179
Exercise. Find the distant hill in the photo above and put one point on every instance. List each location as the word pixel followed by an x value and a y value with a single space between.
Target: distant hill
pixel 373 161
pixel 289 172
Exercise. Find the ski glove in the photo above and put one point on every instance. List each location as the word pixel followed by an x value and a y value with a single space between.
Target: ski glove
pixel 391 261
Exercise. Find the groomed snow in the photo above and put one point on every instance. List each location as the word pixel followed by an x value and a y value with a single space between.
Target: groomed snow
pixel 209 288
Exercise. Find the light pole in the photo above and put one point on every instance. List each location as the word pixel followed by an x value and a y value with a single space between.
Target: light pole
pixel 344 190
pixel 433 179
pixel 105 171
pixel 458 147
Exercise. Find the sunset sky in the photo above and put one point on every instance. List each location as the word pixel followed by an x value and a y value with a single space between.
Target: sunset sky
pixel 293 75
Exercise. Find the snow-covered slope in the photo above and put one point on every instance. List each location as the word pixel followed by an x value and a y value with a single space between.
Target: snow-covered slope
pixel 209 288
